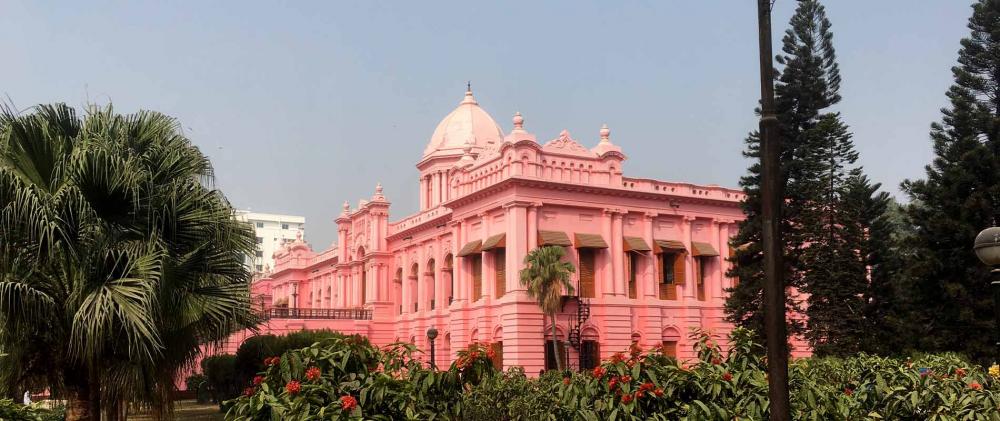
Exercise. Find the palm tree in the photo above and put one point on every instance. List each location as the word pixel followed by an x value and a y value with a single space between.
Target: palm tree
pixel 118 259
pixel 546 276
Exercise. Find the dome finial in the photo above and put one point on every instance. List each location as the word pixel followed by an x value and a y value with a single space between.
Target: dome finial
pixel 347 207
pixel 518 122
pixel 605 133
pixel 469 99
pixel 378 192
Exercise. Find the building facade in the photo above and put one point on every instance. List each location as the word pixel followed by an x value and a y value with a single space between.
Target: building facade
pixel 650 255
pixel 272 231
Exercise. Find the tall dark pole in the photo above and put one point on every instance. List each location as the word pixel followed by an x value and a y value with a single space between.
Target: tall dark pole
pixel 771 194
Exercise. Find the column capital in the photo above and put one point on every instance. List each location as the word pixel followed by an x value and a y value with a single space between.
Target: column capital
pixel 689 218
pixel 614 211
pixel 725 221
pixel 650 215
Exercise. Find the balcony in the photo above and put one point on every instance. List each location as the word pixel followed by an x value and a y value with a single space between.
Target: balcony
pixel 318 313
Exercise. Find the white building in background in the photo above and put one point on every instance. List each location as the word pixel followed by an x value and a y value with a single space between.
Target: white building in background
pixel 272 230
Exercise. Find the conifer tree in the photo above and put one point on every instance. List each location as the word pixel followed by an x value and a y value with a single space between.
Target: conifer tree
pixel 959 197
pixel 833 217
pixel 807 85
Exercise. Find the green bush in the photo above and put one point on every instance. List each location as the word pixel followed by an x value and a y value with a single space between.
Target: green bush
pixel 198 383
pixel 220 374
pixel 513 396
pixel 251 353
pixel 9 410
pixel 347 378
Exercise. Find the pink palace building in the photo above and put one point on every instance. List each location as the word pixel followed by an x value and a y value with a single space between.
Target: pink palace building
pixel 650 255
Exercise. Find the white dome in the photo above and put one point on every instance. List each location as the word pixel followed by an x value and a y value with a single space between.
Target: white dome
pixel 468 123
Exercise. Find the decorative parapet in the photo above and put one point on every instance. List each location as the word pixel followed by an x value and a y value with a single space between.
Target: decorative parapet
pixel 417 219
pixel 683 189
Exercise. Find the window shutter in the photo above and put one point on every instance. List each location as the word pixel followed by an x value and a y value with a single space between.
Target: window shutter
pixel 500 264
pixel 680 276
pixel 587 258
pixel 477 277
pixel 498 352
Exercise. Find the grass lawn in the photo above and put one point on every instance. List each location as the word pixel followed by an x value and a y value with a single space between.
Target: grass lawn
pixel 188 411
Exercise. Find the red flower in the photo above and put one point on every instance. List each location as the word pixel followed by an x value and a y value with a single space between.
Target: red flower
pixel 658 392
pixel 248 391
pixel 313 373
pixel 975 386
pixel 848 391
pixel 613 383
pixel 959 372
pixel 293 387
pixel 639 394
pixel 647 386
pixel 491 353
pixel 598 372
pixel 347 402
pixel 272 361
pixel 617 357
pixel 716 361
pixel 727 376
pixel 626 399
pixel 626 379
pixel 257 380
pixel 566 381
pixel 630 363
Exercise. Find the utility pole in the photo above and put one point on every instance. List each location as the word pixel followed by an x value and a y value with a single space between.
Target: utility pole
pixel 771 201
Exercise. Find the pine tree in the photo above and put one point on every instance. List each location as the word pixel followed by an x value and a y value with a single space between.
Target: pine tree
pixel 833 217
pixel 807 85
pixel 960 196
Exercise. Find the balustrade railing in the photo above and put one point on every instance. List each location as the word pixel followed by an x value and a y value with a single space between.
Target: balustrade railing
pixel 318 313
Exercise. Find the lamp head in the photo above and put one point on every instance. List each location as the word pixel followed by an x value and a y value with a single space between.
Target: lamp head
pixel 432 333
pixel 987 246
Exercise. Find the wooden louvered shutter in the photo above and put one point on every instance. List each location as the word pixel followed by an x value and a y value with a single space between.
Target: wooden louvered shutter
pixel 500 264
pixel 663 263
pixel 477 277
pixel 680 274
pixel 670 348
pixel 632 260
pixel 498 355
pixel 699 268
pixel 587 273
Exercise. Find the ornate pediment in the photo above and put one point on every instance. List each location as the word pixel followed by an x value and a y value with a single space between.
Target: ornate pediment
pixel 565 144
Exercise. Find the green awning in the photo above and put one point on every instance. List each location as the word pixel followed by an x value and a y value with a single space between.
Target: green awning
pixel 553 238
pixel 590 241
pixel 635 244
pixel 498 241
pixel 703 249
pixel 471 247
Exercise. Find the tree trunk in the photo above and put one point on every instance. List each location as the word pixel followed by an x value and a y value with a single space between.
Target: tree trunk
pixel 555 345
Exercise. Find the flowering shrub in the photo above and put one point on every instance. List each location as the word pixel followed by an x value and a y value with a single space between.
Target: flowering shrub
pixel 650 385
pixel 345 378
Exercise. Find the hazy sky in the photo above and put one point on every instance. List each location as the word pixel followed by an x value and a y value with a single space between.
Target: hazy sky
pixel 301 105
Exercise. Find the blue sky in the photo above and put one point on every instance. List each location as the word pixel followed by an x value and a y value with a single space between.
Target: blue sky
pixel 302 105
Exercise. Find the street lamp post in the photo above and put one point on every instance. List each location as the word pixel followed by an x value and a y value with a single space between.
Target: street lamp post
pixel 987 247
pixel 771 202
pixel 432 334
